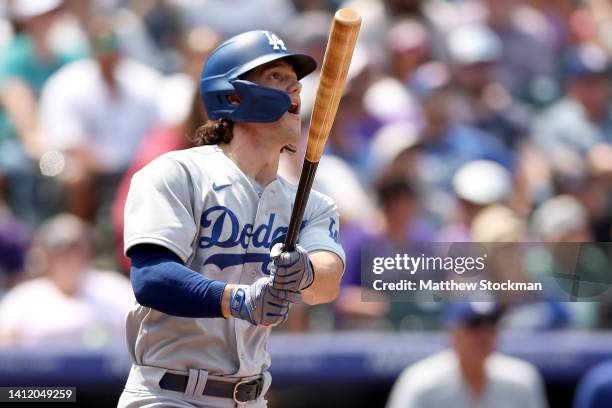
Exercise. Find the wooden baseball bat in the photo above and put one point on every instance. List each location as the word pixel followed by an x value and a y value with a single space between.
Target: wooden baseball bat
pixel 336 62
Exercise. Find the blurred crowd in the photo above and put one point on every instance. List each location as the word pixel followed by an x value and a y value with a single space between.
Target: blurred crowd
pixel 464 120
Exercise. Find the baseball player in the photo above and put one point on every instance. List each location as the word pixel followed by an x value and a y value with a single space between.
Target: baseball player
pixel 204 229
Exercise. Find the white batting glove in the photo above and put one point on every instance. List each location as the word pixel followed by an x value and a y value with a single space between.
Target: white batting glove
pixel 260 303
pixel 292 271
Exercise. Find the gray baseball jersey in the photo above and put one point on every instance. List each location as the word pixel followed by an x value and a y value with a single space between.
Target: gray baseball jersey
pixel 201 206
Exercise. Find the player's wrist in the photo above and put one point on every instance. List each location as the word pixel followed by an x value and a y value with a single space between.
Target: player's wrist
pixel 226 299
pixel 310 276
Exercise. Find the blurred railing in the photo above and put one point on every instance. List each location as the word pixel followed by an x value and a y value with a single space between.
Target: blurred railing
pixel 335 358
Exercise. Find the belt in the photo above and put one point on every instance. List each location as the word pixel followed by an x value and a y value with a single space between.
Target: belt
pixel 240 392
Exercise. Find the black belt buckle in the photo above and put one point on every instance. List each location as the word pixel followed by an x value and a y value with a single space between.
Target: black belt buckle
pixel 247 390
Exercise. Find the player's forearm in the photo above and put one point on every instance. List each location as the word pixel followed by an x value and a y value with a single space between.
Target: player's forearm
pixel 161 282
pixel 328 269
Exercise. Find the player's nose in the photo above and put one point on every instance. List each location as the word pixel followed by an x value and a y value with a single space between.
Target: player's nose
pixel 294 87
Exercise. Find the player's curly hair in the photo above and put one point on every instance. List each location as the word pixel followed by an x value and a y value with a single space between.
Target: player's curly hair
pixel 214 132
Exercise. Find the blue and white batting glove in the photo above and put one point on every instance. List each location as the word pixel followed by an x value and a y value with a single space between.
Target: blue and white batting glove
pixel 292 271
pixel 260 303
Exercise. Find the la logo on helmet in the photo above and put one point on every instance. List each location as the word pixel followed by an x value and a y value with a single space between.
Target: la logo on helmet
pixel 274 41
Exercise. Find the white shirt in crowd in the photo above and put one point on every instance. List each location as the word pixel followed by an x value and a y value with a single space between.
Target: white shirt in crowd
pixel 78 109
pixel 36 313
pixel 252 15
pixel 437 382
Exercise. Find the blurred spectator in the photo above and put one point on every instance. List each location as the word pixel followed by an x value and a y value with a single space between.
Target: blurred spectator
pixel 408 46
pixel 479 98
pixel 562 221
pixel 529 48
pixel 400 224
pixel 576 134
pixel 26 63
pixel 447 144
pixel 580 121
pixel 162 23
pixel 400 205
pixel 356 122
pixel 13 246
pixel 197 44
pixel 310 5
pixel 395 150
pixel 405 7
pixel 471 374
pixel 500 225
pixel 595 388
pixel 72 305
pixel 96 112
pixel 477 184
pixel 253 14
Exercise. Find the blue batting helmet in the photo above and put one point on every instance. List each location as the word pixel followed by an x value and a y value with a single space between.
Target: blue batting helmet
pixel 223 76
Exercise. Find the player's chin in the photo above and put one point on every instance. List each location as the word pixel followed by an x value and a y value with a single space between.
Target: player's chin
pixel 293 117
pixel 292 128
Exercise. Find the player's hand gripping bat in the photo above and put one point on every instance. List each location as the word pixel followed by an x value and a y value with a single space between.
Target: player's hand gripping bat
pixel 338 54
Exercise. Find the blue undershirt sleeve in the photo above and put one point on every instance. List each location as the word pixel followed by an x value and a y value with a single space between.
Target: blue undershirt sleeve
pixel 161 282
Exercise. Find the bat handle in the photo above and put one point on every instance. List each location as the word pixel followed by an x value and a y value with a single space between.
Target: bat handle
pixel 301 199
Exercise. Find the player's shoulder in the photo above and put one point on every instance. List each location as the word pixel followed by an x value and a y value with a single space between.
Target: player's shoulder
pixel 430 373
pixel 189 159
pixel 110 286
pixel 200 155
pixel 107 278
pixel 28 290
pixel 510 369
pixel 194 166
pixel 81 68
pixel 81 71
pixel 431 368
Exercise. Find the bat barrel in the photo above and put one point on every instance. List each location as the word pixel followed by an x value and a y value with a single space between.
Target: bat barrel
pixel 342 39
pixel 340 46
pixel 347 16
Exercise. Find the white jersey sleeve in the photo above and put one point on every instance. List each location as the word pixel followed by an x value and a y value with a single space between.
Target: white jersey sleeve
pixel 160 208
pixel 320 231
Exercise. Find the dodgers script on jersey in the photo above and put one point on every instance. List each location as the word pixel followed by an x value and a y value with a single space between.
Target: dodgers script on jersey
pixel 200 205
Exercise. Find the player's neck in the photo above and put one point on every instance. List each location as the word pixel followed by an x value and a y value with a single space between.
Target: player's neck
pixel 474 375
pixel 256 158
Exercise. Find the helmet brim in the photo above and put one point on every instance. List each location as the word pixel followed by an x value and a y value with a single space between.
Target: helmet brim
pixel 302 64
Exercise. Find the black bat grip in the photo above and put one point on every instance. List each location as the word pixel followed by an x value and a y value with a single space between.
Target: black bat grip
pixel 301 199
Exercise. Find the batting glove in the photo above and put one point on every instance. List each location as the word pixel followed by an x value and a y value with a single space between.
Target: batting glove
pixel 260 303
pixel 292 271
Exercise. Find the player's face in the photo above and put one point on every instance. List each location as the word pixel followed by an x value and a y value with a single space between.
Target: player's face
pixel 281 76
pixel 474 343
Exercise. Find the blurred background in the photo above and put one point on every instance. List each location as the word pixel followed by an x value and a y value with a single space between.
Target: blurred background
pixel 462 120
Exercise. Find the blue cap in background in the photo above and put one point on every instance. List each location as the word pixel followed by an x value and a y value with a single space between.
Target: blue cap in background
pixel 458 314
pixel 585 61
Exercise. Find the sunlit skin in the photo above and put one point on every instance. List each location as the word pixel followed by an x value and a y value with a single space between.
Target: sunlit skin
pixel 593 93
pixel 266 140
pixel 66 267
pixel 281 76
pixel 398 213
pixel 473 345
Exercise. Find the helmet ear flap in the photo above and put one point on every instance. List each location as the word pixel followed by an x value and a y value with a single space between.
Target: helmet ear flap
pixel 258 103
